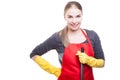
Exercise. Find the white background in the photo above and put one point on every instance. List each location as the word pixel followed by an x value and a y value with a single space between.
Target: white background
pixel 26 23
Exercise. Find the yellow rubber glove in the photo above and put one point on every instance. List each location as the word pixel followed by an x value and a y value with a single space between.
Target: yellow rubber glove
pixel 47 67
pixel 91 61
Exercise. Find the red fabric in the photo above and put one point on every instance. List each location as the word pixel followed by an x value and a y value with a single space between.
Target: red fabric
pixel 71 64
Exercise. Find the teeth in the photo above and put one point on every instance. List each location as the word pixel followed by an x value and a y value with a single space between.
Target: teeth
pixel 74 25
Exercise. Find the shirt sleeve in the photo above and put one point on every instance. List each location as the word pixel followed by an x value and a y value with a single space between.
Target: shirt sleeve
pixel 44 47
pixel 98 51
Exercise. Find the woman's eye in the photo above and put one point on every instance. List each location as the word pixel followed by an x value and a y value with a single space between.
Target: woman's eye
pixel 78 16
pixel 69 16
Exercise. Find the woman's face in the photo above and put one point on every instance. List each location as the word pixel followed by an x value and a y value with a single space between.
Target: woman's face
pixel 73 16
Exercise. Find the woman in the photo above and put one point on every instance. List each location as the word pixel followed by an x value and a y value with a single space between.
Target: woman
pixel 75 46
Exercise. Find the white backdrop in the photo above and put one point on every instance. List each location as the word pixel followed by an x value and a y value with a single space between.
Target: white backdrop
pixel 26 23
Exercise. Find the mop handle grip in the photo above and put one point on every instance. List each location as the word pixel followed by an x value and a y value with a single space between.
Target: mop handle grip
pixel 82 66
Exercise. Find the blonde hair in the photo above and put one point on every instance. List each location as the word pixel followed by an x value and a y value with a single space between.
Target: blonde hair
pixel 63 32
pixel 70 4
pixel 64 37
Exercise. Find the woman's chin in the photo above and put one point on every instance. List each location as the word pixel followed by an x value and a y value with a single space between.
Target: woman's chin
pixel 75 29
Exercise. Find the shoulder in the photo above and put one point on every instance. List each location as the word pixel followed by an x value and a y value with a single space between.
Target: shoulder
pixel 91 33
pixel 93 36
pixel 55 37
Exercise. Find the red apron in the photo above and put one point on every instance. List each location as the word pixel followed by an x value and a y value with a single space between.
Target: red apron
pixel 71 64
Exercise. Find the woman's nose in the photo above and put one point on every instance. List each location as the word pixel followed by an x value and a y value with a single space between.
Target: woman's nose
pixel 74 20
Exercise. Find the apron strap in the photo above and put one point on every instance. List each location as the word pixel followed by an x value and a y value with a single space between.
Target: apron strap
pixel 89 42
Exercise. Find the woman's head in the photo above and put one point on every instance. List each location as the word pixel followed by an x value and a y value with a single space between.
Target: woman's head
pixel 73 15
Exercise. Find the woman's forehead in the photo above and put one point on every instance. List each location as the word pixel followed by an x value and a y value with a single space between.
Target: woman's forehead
pixel 73 10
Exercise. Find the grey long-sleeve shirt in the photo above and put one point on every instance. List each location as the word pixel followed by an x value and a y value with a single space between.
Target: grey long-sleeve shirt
pixel 54 42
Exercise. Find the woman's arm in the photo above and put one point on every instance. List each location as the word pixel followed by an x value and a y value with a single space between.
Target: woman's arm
pixel 45 65
pixel 47 45
pixel 98 60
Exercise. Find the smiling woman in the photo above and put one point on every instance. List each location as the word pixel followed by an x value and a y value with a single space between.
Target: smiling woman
pixel 73 16
pixel 69 43
pixel 26 23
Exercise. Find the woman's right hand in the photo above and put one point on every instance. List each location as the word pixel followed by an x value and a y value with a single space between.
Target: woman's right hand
pixel 47 66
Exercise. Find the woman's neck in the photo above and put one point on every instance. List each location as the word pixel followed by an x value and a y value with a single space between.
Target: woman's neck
pixel 74 32
pixel 76 36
